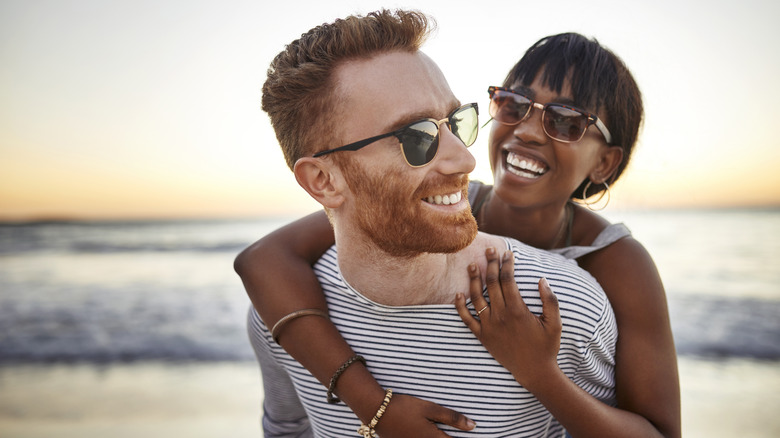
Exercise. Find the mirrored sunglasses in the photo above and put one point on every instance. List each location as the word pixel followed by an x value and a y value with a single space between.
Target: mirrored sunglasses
pixel 560 122
pixel 419 140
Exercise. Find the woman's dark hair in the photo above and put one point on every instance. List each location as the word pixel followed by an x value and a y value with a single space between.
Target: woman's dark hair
pixel 599 80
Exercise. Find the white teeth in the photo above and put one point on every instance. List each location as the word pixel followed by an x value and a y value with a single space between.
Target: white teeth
pixel 524 167
pixel 522 173
pixel 450 199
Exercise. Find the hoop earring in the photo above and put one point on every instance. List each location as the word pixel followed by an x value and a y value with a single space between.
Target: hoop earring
pixel 590 205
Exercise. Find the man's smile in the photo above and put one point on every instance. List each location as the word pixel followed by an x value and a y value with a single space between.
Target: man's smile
pixel 449 199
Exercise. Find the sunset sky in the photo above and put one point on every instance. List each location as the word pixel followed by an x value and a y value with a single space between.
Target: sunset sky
pixel 151 108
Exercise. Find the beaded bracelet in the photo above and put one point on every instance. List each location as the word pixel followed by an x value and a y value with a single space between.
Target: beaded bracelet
pixel 289 317
pixel 368 431
pixel 332 386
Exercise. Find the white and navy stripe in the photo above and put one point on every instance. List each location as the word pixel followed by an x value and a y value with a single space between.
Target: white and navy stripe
pixel 428 352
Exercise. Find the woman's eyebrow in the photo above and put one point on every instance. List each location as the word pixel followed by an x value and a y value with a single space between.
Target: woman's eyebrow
pixel 528 92
pixel 525 91
pixel 567 101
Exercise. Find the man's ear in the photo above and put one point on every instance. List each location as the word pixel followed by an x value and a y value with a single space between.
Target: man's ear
pixel 321 179
pixel 609 160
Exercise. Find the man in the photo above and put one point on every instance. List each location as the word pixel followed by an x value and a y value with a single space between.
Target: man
pixel 405 237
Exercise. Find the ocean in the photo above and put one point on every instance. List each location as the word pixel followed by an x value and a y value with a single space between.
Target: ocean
pixel 88 301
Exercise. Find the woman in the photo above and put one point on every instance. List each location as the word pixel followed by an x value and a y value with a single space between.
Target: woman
pixel 565 122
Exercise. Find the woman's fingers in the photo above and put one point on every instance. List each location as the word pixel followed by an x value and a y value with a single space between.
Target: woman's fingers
pixel 475 287
pixel 477 299
pixel 509 290
pixel 551 314
pixel 466 316
pixel 442 415
pixel 410 416
pixel 492 280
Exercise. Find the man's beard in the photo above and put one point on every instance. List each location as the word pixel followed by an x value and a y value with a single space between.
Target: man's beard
pixel 398 223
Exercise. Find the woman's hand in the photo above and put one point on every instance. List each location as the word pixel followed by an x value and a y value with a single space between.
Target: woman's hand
pixel 408 416
pixel 525 344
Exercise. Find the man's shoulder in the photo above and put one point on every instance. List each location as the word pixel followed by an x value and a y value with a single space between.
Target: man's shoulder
pixel 328 264
pixel 526 255
pixel 566 277
pixel 524 251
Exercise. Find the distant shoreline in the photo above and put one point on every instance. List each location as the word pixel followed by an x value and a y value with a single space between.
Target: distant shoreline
pixel 55 219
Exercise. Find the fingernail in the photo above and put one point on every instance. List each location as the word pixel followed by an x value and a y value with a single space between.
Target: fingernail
pixel 545 284
pixel 490 251
pixel 472 267
pixel 507 255
pixel 470 423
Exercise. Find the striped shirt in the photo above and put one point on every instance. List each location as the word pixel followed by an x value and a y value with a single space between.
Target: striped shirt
pixel 428 352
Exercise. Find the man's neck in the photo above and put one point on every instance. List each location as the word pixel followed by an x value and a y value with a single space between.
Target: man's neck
pixel 428 278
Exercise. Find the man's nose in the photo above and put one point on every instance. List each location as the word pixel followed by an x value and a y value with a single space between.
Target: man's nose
pixel 453 156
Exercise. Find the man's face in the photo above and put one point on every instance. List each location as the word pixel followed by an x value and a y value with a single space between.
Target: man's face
pixel 392 216
pixel 393 204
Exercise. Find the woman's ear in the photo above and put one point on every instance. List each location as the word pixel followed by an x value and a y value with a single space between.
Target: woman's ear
pixel 321 179
pixel 609 160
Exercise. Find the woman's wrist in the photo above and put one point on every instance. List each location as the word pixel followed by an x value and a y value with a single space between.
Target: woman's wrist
pixel 368 430
pixel 538 379
pixel 332 398
pixel 358 389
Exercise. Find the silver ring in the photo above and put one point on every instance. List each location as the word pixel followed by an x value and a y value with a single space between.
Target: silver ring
pixel 482 310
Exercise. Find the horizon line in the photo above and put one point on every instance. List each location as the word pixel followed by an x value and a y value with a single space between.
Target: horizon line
pixel 43 219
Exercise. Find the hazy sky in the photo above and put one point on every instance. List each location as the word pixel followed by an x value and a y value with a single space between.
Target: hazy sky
pixel 152 108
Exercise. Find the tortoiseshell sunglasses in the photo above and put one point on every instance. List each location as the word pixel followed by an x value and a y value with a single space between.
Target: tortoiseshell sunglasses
pixel 560 122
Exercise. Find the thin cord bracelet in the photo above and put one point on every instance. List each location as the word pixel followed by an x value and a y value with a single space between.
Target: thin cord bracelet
pixel 275 331
pixel 368 431
pixel 332 386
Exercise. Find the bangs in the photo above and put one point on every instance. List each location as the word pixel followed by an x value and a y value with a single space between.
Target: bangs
pixel 564 57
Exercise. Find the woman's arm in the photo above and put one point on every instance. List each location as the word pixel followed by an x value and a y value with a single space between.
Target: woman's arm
pixel 277 269
pixel 278 277
pixel 646 375
pixel 533 363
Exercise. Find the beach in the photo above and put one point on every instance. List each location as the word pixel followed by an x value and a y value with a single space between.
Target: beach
pixel 131 400
pixel 128 329
pixel 734 398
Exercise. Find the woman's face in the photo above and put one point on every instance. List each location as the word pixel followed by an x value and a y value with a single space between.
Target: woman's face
pixel 530 168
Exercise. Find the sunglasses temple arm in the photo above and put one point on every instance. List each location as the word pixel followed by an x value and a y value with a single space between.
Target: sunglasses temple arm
pixel 486 123
pixel 604 131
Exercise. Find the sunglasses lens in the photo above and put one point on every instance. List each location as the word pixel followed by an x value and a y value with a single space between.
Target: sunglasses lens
pixel 419 142
pixel 465 124
pixel 564 124
pixel 509 108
